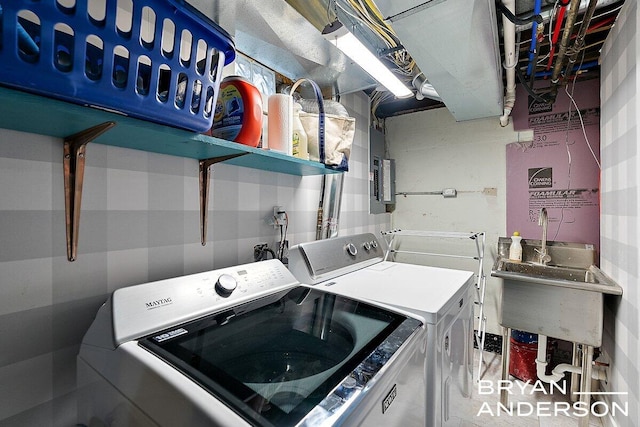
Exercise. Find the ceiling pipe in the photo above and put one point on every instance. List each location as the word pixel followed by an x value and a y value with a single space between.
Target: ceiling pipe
pixel 510 62
pixel 534 40
pixel 581 67
pixel 578 45
pixel 556 33
pixel 566 34
pixel 518 20
pixel 546 14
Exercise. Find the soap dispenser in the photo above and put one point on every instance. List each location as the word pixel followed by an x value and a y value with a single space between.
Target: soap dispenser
pixel 515 250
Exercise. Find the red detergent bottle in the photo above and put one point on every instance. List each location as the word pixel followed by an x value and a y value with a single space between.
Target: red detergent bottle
pixel 238 114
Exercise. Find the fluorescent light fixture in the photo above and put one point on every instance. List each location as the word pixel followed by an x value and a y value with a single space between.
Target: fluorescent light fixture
pixel 344 40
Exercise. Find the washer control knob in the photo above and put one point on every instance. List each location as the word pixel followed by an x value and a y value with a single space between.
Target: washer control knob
pixel 366 246
pixel 225 285
pixel 374 244
pixel 352 250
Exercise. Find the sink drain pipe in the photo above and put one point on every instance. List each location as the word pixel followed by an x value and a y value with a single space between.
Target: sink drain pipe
pixel 597 373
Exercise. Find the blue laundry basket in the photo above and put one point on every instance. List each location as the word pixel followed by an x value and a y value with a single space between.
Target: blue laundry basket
pixel 157 60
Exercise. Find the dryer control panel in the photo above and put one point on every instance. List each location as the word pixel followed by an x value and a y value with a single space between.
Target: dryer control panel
pixel 320 260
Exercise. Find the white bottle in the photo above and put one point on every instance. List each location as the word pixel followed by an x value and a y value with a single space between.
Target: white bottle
pixel 515 250
pixel 300 147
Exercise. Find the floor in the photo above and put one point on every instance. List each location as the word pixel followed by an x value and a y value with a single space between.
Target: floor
pixel 537 407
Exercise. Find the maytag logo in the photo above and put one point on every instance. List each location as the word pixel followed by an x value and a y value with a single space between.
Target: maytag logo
pixel 171 334
pixel 158 303
pixel 388 400
pixel 540 178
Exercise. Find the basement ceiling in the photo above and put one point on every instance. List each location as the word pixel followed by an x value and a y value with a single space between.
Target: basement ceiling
pixel 603 19
pixel 285 36
pixel 587 59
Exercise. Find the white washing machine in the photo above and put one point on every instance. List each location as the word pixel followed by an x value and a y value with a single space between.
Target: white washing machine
pixel 249 345
pixel 353 266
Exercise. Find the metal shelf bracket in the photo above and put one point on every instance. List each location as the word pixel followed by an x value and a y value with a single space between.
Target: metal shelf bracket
pixel 73 164
pixel 204 190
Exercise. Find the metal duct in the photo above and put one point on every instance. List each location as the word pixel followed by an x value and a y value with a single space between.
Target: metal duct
pixel 455 44
pixel 329 207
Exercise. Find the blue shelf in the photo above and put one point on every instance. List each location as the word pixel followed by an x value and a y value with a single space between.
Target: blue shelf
pixel 27 112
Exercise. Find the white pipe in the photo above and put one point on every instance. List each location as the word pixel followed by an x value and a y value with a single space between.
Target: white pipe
pixel 598 372
pixel 510 62
pixel 541 362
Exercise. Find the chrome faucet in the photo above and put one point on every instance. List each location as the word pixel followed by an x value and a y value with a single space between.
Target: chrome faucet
pixel 543 221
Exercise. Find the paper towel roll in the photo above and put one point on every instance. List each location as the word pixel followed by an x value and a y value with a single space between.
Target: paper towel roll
pixel 280 122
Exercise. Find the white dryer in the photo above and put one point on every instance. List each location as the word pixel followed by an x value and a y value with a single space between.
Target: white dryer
pixel 353 266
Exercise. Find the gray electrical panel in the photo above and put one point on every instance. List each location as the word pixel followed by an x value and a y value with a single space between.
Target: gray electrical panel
pixel 382 175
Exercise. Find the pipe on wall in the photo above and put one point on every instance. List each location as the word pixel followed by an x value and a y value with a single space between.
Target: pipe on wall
pixel 510 62
pixel 329 207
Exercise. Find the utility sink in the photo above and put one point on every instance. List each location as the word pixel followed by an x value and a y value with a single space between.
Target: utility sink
pixel 562 299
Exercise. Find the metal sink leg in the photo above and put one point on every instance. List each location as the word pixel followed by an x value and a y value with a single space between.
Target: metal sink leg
pixel 585 383
pixel 575 378
pixel 504 394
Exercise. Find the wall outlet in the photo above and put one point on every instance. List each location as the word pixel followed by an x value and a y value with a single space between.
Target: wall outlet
pixel 279 216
